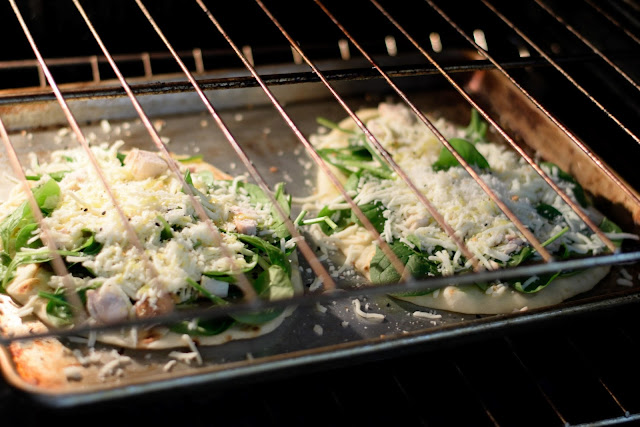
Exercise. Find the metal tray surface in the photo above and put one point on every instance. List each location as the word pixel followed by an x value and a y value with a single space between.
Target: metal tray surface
pixel 279 156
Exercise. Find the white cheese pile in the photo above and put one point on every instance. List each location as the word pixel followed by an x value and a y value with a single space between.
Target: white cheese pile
pixel 192 250
pixel 487 232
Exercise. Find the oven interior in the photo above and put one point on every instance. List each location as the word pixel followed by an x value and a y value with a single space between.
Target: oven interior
pixel 560 369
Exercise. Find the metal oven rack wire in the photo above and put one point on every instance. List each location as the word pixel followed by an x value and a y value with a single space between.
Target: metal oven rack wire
pixel 531 55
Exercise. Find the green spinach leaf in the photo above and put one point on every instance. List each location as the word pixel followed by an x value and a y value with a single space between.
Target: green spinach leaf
pixel 548 211
pixel 578 191
pixel 273 253
pixel 476 131
pixel 271 285
pixel 206 327
pixel 57 306
pixel 609 226
pixel 466 150
pixel 46 195
pixel 374 212
pixel 536 285
pixel 382 270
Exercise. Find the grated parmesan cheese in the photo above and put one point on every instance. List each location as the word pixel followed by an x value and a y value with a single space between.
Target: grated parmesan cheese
pixel 487 232
pixel 73 373
pixel 426 315
pixel 169 365
pixel 624 282
pixel 318 330
pixel 374 317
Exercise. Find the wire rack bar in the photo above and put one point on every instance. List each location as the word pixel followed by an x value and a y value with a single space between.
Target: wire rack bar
pixel 503 207
pixel 387 157
pixel 307 252
pixel 586 41
pixel 534 380
pixel 583 216
pixel 243 282
pixel 561 70
pixel 384 246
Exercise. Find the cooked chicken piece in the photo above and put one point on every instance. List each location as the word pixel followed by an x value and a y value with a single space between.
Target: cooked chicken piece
pixel 154 306
pixel 245 226
pixel 244 220
pixel 108 304
pixel 145 164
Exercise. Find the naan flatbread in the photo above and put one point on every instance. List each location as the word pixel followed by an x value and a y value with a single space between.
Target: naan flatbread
pixel 464 205
pixel 156 189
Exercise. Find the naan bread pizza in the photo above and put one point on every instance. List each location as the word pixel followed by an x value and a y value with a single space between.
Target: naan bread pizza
pixel 417 239
pixel 183 264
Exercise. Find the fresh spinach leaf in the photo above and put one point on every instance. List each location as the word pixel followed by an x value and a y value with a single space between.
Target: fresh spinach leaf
pixel 548 211
pixel 90 246
pixel 46 195
pixel 273 253
pixel 355 159
pixel 257 196
pixel 374 212
pixel 578 191
pixel 54 175
pixel 536 285
pixel 206 327
pixel 57 306
pixel 341 218
pixel 521 256
pixel 272 284
pixel 466 150
pixel 166 232
pixel 609 226
pixel 382 270
pixel 121 157
pixel 476 131
pixel 187 177
pixel 24 235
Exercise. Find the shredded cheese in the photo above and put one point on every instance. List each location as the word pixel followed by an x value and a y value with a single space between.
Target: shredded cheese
pixel 487 232
pixel 426 315
pixel 374 317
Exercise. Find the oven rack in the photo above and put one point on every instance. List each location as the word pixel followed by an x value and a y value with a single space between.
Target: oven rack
pixel 350 74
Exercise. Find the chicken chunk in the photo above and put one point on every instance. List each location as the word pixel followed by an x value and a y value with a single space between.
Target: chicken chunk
pixel 145 164
pixel 154 306
pixel 244 221
pixel 108 304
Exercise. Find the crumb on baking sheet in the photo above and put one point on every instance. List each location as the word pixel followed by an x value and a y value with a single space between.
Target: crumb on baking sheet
pixel 169 365
pixel 318 330
pixel 426 315
pixel 73 373
pixel 321 308
pixel 374 317
pixel 624 282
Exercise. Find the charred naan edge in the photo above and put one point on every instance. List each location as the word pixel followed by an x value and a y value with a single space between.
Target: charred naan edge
pixel 468 299
pixel 31 279
pixel 40 362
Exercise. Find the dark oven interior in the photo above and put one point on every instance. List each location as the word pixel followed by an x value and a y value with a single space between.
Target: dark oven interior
pixel 579 59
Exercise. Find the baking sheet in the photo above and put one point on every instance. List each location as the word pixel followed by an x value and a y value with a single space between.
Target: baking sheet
pixel 279 156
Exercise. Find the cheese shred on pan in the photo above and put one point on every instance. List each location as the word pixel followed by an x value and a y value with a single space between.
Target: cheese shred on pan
pixel 407 226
